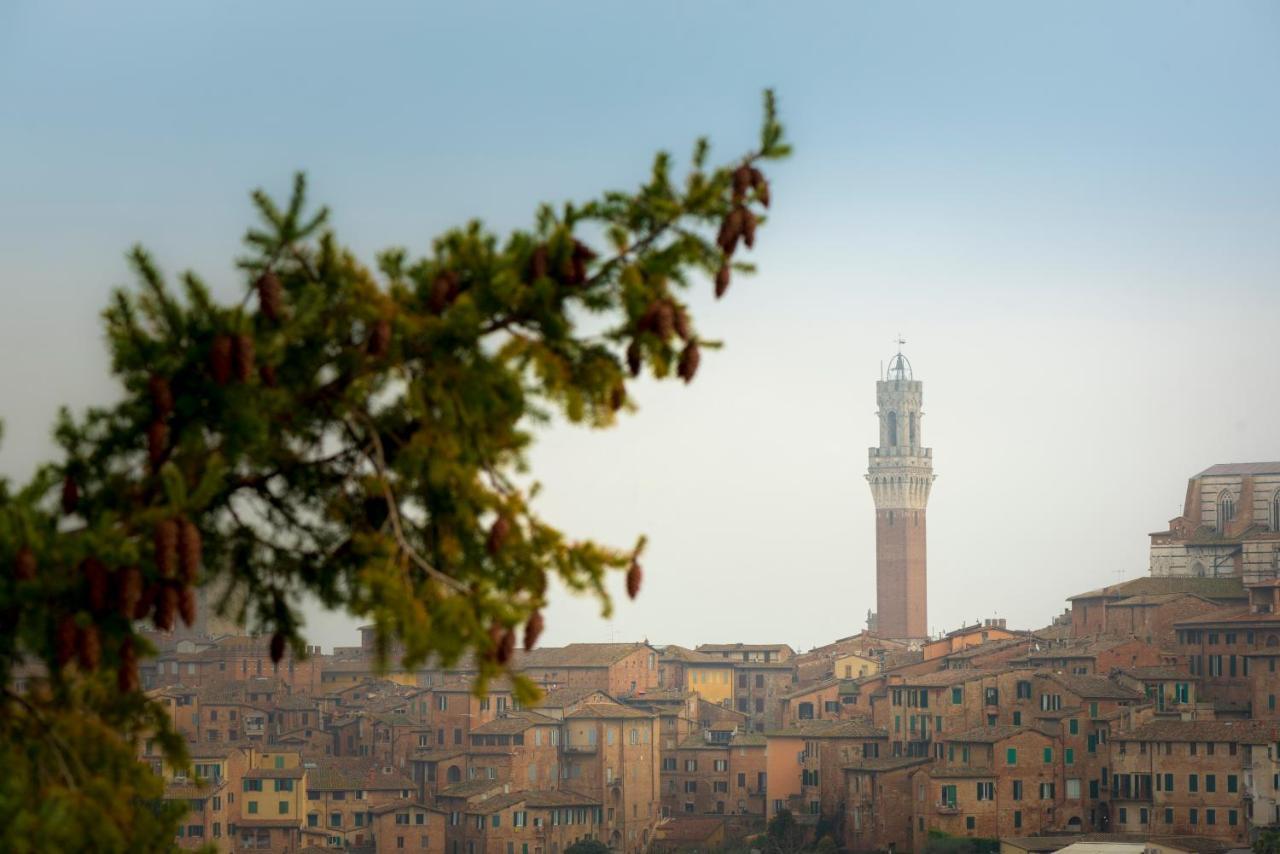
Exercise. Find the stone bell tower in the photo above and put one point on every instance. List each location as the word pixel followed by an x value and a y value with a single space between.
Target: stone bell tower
pixel 900 473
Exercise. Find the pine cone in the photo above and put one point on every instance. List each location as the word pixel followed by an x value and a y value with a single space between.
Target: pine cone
pixel 220 359
pixel 507 647
pixel 635 575
pixel 189 550
pixel 761 186
pixel 722 278
pixel 532 630
pixel 689 360
pixel 634 358
pixel 617 397
pixel 749 228
pixel 89 647
pixel 166 547
pixel 270 296
pixel 538 263
pixel 146 601
pixel 95 576
pixel 127 675
pixel 682 323
pixel 731 230
pixel 577 263
pixel 267 373
pixel 660 318
pixel 187 605
pixel 379 338
pixel 277 647
pixel 65 641
pixel 242 357
pixel 161 396
pixel 444 290
pixel 157 443
pixel 498 533
pixel 128 591
pixel 70 495
pixel 166 606
pixel 741 181
pixel 24 564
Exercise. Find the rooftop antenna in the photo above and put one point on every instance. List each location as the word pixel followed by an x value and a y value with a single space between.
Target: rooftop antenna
pixel 900 341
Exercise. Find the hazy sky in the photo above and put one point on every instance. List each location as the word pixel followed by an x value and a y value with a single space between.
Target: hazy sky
pixel 1070 210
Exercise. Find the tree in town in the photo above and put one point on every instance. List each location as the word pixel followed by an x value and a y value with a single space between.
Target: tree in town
pixel 358 434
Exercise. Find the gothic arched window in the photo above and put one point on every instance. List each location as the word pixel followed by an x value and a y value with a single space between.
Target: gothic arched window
pixel 1275 511
pixel 1197 569
pixel 912 422
pixel 1226 510
pixel 892 424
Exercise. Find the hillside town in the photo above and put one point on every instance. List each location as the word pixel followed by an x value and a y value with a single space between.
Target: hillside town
pixel 1145 713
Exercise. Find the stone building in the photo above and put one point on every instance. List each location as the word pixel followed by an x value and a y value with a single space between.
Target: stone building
pixel 1230 525
pixel 900 472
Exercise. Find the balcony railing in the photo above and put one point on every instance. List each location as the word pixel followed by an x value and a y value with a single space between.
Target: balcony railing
pixel 946 808
pixel 580 748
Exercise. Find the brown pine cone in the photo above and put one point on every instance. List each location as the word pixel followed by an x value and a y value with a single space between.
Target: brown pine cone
pixel 689 359
pixel 532 630
pixel 577 263
pixel 128 591
pixel 147 601
pixel 95 576
pixel 664 319
pixel 617 397
pixel 761 186
pixel 634 358
pixel 127 675
pixel 220 359
pixel 267 373
pixel 70 495
pixel 187 605
pixel 89 647
pixel 161 396
pixel 157 443
pixel 538 263
pixel 749 229
pixel 24 564
pixel 166 547
pixel 741 181
pixel 189 550
pixel 444 290
pixel 507 646
pixel 270 296
pixel 166 607
pixel 682 323
pixel 498 533
pixel 722 278
pixel 635 575
pixel 731 230
pixel 65 641
pixel 379 338
pixel 277 647
pixel 243 357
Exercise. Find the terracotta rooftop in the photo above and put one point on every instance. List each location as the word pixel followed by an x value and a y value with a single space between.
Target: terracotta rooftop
pixel 1233 618
pixel 1240 468
pixel 886 763
pixel 275 773
pixel 691 830
pixel 989 734
pixel 562 698
pixel 1246 731
pixel 578 655
pixel 850 728
pixel 342 773
pixel 470 788
pixel 513 722
pixel 1210 588
pixel 606 710
pixel 1094 687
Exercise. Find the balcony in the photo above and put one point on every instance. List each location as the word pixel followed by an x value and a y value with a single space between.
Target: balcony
pixel 581 748
pixel 946 808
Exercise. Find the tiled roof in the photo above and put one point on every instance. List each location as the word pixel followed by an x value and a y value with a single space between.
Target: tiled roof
pixel 1240 468
pixel 577 655
pixel 276 773
pixel 744 647
pixel 404 804
pixel 469 788
pixel 559 798
pixel 513 722
pixel 941 678
pixel 748 739
pixel 606 710
pixel 1154 672
pixel 564 697
pixel 1233 618
pixel 1211 588
pixel 1247 731
pixel 1094 687
pixel 692 829
pixel 428 754
pixel 811 687
pixel 849 728
pixel 960 773
pixel 672 652
pixel 987 734
pixel 342 773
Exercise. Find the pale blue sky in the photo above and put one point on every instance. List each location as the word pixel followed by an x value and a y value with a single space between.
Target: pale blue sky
pixel 1071 211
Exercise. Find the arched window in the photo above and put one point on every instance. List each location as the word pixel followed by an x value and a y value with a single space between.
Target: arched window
pixel 454 774
pixel 1226 510
pixel 891 423
pixel 1197 569
pixel 912 422
pixel 1275 511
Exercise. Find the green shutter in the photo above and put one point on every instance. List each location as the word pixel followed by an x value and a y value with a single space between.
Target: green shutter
pixel 1011 756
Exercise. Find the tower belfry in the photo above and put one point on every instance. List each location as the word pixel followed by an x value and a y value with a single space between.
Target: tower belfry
pixel 900 473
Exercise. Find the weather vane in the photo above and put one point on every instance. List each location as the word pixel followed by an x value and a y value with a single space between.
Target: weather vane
pixel 900 341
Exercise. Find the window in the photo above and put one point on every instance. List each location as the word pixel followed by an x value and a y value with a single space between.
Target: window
pixel 969 822
pixel 1011 756
pixel 252 785
pixel 948 796
pixel 1024 690
pixel 284 785
pixel 1017 790
pixel 986 791
pixel 1073 789
pixel 1073 726
pixel 1069 756
pixel 1226 510
pixel 1046 791
pixel 284 808
pixel 957 695
pixel 253 807
pixel 1048 756
pixel 1232 783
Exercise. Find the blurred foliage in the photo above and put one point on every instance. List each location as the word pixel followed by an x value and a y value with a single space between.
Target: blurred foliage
pixel 341 431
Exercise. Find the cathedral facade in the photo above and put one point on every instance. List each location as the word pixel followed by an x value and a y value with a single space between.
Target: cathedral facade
pixel 900 473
